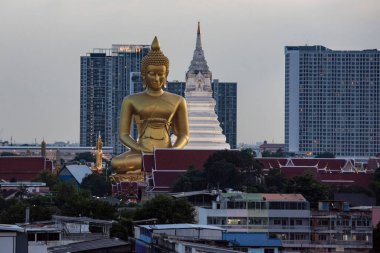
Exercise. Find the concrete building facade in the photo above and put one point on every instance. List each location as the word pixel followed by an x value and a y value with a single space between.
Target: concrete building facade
pixel 283 216
pixel 333 227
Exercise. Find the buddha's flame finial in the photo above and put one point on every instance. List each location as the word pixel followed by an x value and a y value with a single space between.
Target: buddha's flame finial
pixel 155 44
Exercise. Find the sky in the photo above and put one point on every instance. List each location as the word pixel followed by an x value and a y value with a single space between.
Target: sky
pixel 41 42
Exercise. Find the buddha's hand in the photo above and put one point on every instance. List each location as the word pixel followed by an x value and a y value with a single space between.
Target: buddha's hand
pixel 145 150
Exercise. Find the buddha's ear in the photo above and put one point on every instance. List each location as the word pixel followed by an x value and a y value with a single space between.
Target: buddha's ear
pixel 143 81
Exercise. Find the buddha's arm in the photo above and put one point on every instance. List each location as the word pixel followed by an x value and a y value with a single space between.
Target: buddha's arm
pixel 181 125
pixel 125 125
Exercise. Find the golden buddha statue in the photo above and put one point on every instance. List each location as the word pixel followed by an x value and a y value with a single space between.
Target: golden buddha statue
pixel 157 114
pixel 98 156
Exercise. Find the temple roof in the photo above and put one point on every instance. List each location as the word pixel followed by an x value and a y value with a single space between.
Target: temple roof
pixel 198 63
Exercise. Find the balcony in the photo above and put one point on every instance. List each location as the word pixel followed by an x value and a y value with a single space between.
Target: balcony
pixel 288 227
pixel 296 243
pixel 353 244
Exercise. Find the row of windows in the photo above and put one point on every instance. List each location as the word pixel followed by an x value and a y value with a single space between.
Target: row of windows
pixel 264 205
pixel 254 221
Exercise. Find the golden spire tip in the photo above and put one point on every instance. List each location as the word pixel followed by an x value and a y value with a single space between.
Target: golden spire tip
pixel 155 44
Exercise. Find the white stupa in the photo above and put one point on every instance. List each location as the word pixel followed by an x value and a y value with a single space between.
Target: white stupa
pixel 205 130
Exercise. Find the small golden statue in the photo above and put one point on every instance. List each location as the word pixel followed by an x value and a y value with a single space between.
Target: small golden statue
pixel 98 156
pixel 157 113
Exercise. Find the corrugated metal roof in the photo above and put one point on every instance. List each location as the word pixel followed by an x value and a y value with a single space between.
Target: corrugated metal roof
pixel 180 226
pixel 263 196
pixel 88 245
pixel 8 227
pixel 79 171
pixel 283 197
pixel 80 219
pixel 251 239
pixel 243 196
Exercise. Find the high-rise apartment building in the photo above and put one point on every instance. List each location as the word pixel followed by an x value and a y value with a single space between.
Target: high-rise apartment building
pixel 225 95
pixel 107 76
pixel 332 101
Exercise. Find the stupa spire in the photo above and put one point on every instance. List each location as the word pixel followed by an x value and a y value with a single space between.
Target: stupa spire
pixel 205 130
pixel 199 42
pixel 198 63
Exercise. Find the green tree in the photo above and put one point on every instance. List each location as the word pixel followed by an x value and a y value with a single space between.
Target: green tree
pixel 233 169
pixel 251 173
pixel 325 155
pixel 78 202
pixel 375 185
pixel 266 153
pixel 97 185
pixel 310 188
pixel 122 229
pixel 279 153
pixel 47 177
pixel 166 210
pixel 84 157
pixel 222 174
pixel 275 181
pixel 376 239
pixel 7 154
pixel 191 180
pixel 15 213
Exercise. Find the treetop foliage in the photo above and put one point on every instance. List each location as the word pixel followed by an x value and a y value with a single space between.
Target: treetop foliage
pixel 166 210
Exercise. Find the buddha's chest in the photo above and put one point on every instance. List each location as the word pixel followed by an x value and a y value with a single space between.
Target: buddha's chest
pixel 155 108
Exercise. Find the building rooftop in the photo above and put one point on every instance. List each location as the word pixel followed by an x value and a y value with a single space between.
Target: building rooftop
pixel 180 226
pixel 79 171
pixel 244 239
pixel 80 219
pixel 8 227
pixel 323 48
pixel 283 197
pixel 263 196
pixel 89 245
pixel 23 168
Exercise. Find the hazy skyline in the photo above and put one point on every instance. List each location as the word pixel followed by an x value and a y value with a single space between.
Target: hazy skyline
pixel 42 40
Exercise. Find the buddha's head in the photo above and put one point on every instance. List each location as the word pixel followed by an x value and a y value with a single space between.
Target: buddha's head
pixel 155 67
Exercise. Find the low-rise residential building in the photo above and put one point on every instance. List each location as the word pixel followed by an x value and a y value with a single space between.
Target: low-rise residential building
pixel 173 237
pixel 334 227
pixel 13 239
pixel 337 228
pixel 284 216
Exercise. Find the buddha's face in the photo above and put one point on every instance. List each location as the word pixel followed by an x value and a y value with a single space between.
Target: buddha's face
pixel 155 77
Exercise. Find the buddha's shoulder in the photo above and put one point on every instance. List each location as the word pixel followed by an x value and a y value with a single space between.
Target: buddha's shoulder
pixel 173 97
pixel 134 96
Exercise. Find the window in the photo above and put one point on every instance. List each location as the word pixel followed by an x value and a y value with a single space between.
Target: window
pixel 216 220
pixel 257 221
pixel 237 221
